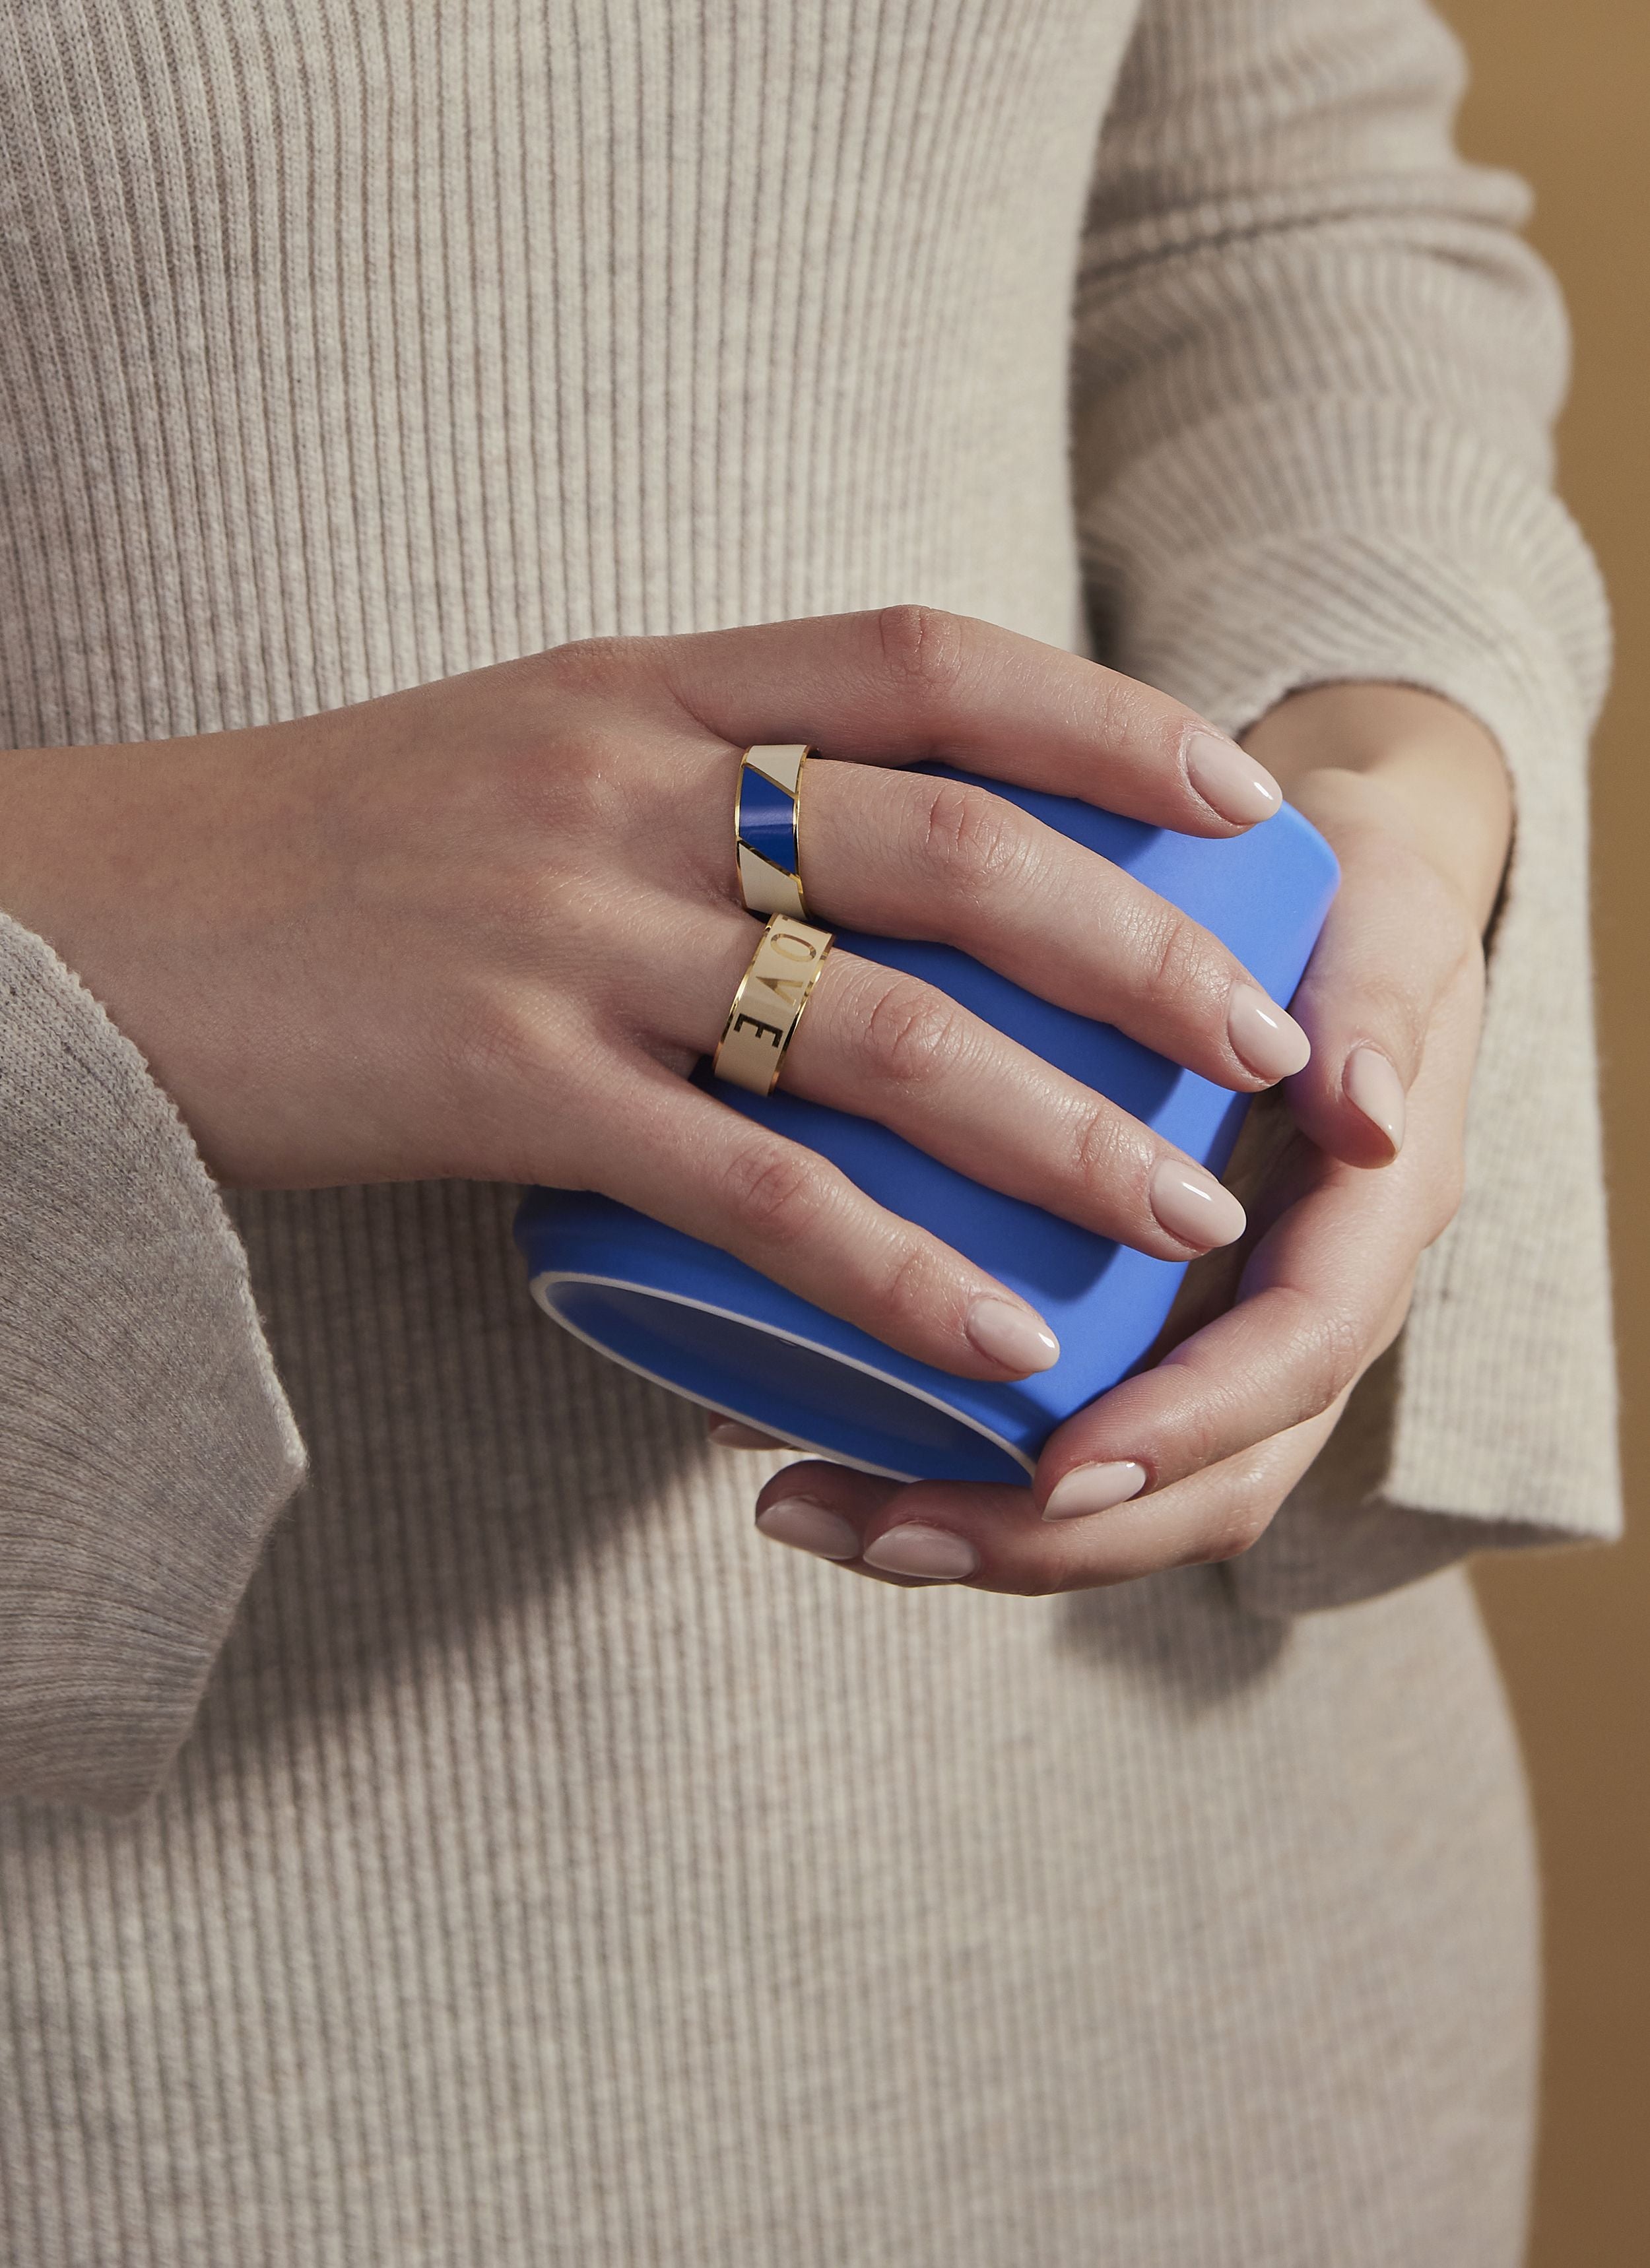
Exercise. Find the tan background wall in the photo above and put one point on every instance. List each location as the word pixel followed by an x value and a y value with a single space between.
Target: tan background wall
pixel 1562 92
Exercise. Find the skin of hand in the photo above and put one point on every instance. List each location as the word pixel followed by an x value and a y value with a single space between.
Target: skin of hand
pixel 1349 1171
pixel 488 927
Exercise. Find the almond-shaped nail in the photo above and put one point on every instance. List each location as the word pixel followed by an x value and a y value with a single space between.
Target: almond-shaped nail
pixel 1264 1036
pixel 1371 1084
pixel 1094 1488
pixel 808 1527
pixel 1192 1205
pixel 1230 782
pixel 933 1553
pixel 1005 1332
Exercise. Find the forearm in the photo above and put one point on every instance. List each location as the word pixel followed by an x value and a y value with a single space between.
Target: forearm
pixel 1395 757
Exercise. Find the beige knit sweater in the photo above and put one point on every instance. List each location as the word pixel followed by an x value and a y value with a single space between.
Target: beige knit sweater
pixel 554 1870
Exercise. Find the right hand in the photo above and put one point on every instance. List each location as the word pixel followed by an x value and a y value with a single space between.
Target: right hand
pixel 484 928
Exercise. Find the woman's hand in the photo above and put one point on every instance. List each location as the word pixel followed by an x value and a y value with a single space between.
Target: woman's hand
pixel 485 928
pixel 1189 1461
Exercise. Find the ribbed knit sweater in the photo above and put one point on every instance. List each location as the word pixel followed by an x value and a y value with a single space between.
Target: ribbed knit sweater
pixel 553 1870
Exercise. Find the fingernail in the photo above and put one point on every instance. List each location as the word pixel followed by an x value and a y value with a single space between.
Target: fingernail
pixel 728 1433
pixel 1230 781
pixel 808 1527
pixel 1371 1085
pixel 1005 1332
pixel 1268 1039
pixel 1192 1205
pixel 933 1553
pixel 1094 1488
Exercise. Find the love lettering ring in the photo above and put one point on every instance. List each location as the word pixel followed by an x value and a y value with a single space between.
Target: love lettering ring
pixel 768 1005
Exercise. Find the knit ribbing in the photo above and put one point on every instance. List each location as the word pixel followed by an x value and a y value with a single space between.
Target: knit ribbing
pixel 109 1626
pixel 554 1871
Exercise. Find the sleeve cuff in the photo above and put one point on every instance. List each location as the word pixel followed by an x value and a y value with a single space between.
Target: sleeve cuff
pixel 145 1443
pixel 1427 563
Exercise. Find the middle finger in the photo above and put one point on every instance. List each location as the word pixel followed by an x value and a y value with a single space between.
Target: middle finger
pixel 905 854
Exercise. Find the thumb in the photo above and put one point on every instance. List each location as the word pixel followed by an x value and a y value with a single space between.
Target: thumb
pixel 1398 942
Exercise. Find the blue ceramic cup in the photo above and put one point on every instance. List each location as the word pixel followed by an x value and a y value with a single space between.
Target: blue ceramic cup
pixel 697 1320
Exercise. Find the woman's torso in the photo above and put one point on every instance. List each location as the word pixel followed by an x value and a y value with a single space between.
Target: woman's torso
pixel 558 1871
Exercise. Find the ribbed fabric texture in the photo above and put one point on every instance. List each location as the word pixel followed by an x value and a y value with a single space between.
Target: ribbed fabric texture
pixel 559 1873
pixel 111 1625
pixel 554 1871
pixel 1339 470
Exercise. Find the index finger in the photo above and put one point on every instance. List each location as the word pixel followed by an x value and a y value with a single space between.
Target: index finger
pixel 900 684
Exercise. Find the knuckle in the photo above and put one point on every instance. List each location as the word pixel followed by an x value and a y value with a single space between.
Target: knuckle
pixel 1395 1011
pixel 1095 1146
pixel 922 650
pixel 1178 970
pixel 599 665
pixel 773 1191
pixel 906 1296
pixel 1235 1529
pixel 586 792
pixel 912 1034
pixel 492 1046
pixel 1328 1353
pixel 1243 1527
pixel 972 835
pixel 589 663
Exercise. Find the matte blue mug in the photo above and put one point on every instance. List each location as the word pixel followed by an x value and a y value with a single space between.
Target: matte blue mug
pixel 695 1319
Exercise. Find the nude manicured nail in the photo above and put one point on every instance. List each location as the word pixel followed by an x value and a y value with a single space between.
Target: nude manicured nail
pixel 1094 1488
pixel 728 1433
pixel 1371 1085
pixel 933 1553
pixel 1192 1205
pixel 1007 1333
pixel 808 1527
pixel 1230 781
pixel 1268 1039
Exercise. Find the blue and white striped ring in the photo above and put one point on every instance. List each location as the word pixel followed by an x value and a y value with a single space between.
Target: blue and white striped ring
pixel 765 830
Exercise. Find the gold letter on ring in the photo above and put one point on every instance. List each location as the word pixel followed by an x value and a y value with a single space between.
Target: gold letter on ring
pixel 769 1004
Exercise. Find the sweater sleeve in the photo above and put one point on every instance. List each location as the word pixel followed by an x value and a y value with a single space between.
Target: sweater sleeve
pixel 146 1445
pixel 1316 372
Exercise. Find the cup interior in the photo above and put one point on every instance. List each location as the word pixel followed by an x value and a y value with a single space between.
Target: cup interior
pixel 780 1383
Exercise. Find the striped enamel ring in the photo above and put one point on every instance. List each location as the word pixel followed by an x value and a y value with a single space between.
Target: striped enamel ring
pixel 766 831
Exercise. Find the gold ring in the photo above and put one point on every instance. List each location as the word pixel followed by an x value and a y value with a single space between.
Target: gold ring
pixel 768 1005
pixel 767 830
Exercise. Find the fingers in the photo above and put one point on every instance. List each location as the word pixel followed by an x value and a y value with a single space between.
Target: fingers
pixel 1322 1295
pixel 900 683
pixel 679 1156
pixel 882 1044
pixel 907 854
pixel 1396 940
pixel 1188 1462
pixel 993 1539
pixel 1317 1306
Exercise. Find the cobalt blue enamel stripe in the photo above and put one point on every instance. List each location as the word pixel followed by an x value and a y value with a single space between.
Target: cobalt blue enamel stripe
pixel 767 830
pixel 766 819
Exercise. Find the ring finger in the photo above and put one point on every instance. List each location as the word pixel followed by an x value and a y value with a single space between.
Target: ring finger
pixel 884 1045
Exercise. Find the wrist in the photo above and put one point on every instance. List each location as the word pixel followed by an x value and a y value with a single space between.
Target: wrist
pixel 1410 759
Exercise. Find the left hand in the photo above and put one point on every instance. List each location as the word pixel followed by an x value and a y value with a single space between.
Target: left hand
pixel 1188 1462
